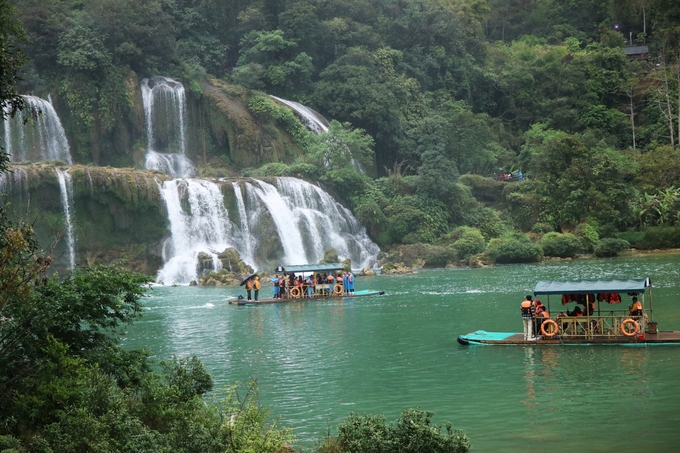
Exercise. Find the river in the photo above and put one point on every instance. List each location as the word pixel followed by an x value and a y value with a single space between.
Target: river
pixel 317 361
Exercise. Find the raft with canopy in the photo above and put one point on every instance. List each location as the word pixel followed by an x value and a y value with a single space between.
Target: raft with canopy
pixel 315 291
pixel 603 321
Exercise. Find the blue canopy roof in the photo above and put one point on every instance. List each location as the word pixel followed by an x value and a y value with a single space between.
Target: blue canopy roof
pixel 326 267
pixel 633 285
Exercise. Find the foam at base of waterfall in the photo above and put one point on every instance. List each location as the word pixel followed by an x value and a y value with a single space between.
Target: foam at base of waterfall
pixel 309 221
pixel 205 227
pixel 175 165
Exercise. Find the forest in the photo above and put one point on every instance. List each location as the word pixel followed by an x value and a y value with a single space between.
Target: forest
pixel 432 98
pixel 430 101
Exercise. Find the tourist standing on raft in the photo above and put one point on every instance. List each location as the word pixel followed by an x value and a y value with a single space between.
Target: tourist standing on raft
pixel 249 288
pixel 256 287
pixel 350 282
pixel 527 319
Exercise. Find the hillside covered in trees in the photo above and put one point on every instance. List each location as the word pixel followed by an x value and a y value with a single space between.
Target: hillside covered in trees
pixel 430 100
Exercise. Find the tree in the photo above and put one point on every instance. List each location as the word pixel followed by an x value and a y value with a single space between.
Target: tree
pixel 364 88
pixel 11 61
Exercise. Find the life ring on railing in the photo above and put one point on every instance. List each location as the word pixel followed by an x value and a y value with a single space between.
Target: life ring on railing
pixel 550 332
pixel 337 289
pixel 295 292
pixel 634 323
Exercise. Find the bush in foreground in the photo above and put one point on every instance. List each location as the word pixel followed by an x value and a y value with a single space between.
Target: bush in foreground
pixel 412 433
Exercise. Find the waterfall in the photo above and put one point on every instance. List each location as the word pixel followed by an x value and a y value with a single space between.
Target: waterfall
pixel 203 227
pixel 246 238
pixel 15 180
pixel 66 189
pixel 310 118
pixel 289 235
pixel 164 103
pixel 39 139
pixel 315 122
pixel 309 221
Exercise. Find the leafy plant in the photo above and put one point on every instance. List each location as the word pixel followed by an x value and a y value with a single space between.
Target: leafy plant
pixel 560 245
pixel 608 247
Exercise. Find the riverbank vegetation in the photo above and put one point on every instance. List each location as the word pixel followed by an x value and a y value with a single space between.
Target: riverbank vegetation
pixel 437 107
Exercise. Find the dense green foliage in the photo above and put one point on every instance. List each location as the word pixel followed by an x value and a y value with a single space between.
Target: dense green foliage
pixel 423 92
pixel 67 385
pixel 412 433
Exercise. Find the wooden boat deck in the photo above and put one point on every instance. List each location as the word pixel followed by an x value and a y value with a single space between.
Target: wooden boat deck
pixel 271 300
pixel 661 337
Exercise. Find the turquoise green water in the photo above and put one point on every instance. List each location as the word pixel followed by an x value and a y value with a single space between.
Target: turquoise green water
pixel 317 361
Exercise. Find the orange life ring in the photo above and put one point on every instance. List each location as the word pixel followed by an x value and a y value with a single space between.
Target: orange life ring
pixel 337 289
pixel 553 331
pixel 630 321
pixel 295 292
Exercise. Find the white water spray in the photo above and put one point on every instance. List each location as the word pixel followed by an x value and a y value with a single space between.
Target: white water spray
pixel 164 103
pixel 310 118
pixel 246 238
pixel 203 227
pixel 309 222
pixel 66 189
pixel 36 139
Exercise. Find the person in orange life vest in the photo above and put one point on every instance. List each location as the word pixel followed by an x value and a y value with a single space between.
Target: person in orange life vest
pixel 541 316
pixel 256 286
pixel 282 286
pixel 249 288
pixel 535 305
pixel 330 280
pixel 527 319
pixel 636 308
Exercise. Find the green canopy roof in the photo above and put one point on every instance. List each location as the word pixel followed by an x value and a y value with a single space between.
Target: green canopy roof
pixel 326 267
pixel 633 285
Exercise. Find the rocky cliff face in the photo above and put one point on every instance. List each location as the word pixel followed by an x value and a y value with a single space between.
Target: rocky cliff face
pixel 117 213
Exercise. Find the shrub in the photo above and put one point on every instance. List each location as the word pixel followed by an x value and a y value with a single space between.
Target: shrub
pixel 561 245
pixel 487 220
pixel 441 256
pixel 471 242
pixel 611 247
pixel 516 248
pixel 661 237
pixel 272 169
pixel 263 108
pixel 412 433
pixel 632 236
pixel 542 228
pixel 588 234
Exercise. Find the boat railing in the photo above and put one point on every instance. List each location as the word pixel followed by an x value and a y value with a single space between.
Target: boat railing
pixel 318 290
pixel 600 325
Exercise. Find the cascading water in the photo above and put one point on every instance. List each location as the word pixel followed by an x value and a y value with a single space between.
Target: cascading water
pixel 16 180
pixel 315 122
pixel 246 238
pixel 281 214
pixel 66 189
pixel 203 227
pixel 312 119
pixel 309 222
pixel 39 139
pixel 165 117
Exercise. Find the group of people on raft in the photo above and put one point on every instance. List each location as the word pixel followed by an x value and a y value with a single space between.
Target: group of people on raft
pixel 289 286
pixel 535 315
